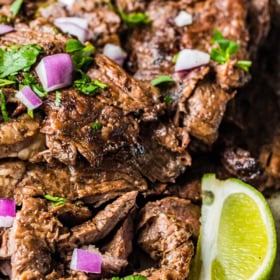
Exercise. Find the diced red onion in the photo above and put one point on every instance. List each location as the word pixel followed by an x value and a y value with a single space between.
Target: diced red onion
pixel 115 53
pixel 4 28
pixel 73 25
pixel 68 3
pixel 188 59
pixel 183 19
pixel 83 260
pixel 29 98
pixel 55 71
pixel 7 212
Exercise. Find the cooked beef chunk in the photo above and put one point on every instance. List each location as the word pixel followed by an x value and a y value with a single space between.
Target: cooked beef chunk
pixel 239 163
pixel 205 109
pixel 34 234
pixel 182 209
pixel 124 92
pixel 104 221
pixel 50 42
pixel 5 269
pixel 70 123
pixel 71 214
pixel 21 138
pixel 157 163
pixel 166 239
pixel 11 172
pixel 6 244
pixel 121 244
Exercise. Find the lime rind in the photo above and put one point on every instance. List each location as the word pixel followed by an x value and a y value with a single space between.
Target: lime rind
pixel 215 193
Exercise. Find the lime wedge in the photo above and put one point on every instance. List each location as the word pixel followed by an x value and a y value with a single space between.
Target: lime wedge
pixel 238 237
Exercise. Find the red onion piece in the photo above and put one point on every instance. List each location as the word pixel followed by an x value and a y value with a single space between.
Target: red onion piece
pixel 55 71
pixel 183 19
pixel 73 25
pixel 188 59
pixel 7 212
pixel 29 98
pixel 115 53
pixel 4 28
pixel 68 3
pixel 86 261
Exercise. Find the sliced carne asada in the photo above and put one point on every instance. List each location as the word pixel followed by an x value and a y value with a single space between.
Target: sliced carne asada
pixel 104 221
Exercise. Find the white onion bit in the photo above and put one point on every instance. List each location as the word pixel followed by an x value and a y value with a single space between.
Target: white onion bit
pixel 86 261
pixel 68 3
pixel 114 52
pixel 55 71
pixel 29 98
pixel 4 28
pixel 188 59
pixel 73 25
pixel 183 19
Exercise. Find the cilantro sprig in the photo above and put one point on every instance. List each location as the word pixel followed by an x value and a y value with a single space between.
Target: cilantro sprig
pixel 130 277
pixel 29 80
pixel 56 200
pixel 16 6
pixel 96 126
pixel 15 59
pixel 3 107
pixel 225 49
pixel 162 79
pixel 57 98
pixel 87 86
pixel 134 19
pixel 5 82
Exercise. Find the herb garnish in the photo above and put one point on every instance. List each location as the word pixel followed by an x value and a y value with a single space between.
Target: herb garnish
pixel 130 277
pixel 57 98
pixel 30 113
pixel 96 126
pixel 175 57
pixel 15 59
pixel 86 86
pixel 162 79
pixel 3 107
pixel 15 7
pixel 226 48
pixel 134 19
pixel 56 200
pixel 81 54
pixel 168 99
pixel 244 65
pixel 29 80
pixel 4 82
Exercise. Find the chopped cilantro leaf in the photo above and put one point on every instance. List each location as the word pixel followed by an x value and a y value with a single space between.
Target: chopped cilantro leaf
pixel 226 48
pixel 244 65
pixel 15 7
pixel 86 86
pixel 57 98
pixel 161 79
pixel 4 82
pixel 30 113
pixel 56 200
pixel 29 80
pixel 73 45
pixel 81 55
pixel 175 57
pixel 168 99
pixel 96 126
pixel 130 277
pixel 3 107
pixel 15 59
pixel 134 19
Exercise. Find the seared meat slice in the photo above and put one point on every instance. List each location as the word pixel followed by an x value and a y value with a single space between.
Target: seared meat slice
pixel 11 172
pixel 166 239
pixel 124 91
pixel 6 244
pixel 50 42
pixel 34 234
pixel 121 244
pixel 104 221
pixel 205 109
pixel 70 123
pixel 71 214
pixel 21 138
pixel 182 209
